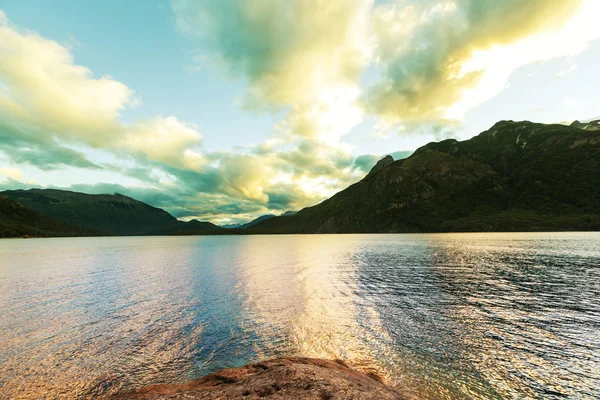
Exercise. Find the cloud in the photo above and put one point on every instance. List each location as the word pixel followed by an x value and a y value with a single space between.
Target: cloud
pixel 11 172
pixel 288 50
pixel 572 67
pixel 304 56
pixel 46 100
pixel 570 102
pixel 54 111
pixel 441 58
pixel 165 140
pixel 437 58
pixel 44 89
pixel 273 177
pixel 32 145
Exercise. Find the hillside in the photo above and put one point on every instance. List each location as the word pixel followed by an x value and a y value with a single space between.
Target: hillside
pixel 16 220
pixel 516 176
pixel 113 214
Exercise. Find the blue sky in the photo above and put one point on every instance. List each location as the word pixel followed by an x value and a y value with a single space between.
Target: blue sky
pixel 136 42
pixel 227 110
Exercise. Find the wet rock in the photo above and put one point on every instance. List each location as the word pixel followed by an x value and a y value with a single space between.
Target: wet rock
pixel 288 378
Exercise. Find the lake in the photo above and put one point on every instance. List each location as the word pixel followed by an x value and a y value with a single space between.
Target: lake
pixel 450 316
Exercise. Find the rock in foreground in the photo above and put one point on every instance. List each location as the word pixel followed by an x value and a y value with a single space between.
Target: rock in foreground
pixel 288 378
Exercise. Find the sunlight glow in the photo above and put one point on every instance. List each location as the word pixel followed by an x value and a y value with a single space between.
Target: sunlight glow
pixel 498 63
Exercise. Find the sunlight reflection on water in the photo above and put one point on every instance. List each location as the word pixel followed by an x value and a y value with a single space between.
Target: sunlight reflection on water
pixel 449 315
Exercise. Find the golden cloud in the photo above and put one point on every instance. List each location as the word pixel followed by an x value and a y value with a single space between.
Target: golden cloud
pixel 440 59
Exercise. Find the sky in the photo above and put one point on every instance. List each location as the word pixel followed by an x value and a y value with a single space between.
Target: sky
pixel 227 110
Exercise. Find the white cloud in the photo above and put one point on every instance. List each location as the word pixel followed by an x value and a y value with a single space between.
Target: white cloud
pixel 571 68
pixel 303 55
pixel 11 172
pixel 497 63
pixel 570 102
pixel 441 59
pixel 165 140
pixel 47 99
pixel 45 89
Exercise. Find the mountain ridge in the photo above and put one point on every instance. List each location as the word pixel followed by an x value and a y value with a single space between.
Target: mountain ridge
pixel 17 220
pixel 112 214
pixel 257 220
pixel 516 176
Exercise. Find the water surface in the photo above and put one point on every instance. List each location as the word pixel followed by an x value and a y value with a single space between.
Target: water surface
pixel 473 316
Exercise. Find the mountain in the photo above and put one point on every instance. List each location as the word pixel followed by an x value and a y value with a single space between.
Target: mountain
pixel 16 220
pixel 113 214
pixel 381 164
pixel 256 221
pixel 193 227
pixel 248 224
pixel 587 126
pixel 516 176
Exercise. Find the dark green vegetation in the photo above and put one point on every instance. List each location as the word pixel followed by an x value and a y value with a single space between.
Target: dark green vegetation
pixel 517 176
pixel 16 220
pixel 109 214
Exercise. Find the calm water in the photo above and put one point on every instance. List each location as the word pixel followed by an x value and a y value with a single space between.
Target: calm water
pixel 473 316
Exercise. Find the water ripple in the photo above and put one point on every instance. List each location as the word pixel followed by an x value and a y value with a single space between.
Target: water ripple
pixel 473 316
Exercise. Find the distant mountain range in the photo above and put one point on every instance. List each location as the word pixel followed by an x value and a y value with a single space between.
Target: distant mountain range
pixel 109 214
pixel 516 176
pixel 249 224
pixel 256 221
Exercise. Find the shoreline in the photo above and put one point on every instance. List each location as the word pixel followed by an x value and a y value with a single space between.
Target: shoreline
pixel 298 234
pixel 282 378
